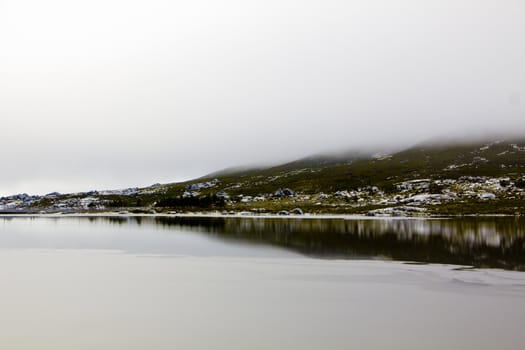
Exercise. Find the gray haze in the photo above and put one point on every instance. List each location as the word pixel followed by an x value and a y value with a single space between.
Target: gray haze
pixel 113 93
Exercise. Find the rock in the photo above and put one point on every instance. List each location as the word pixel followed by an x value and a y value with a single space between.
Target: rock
pixel 472 179
pixel 246 199
pixel 52 194
pixel 203 185
pixel 322 196
pixel 297 211
pixel 487 196
pixel 342 194
pixel 284 192
pixel 404 210
pixel 426 198
pixel 189 194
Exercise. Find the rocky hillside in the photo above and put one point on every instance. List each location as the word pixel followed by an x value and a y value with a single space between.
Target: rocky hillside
pixel 432 178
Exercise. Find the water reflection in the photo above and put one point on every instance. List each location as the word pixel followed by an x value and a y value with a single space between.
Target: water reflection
pixel 480 242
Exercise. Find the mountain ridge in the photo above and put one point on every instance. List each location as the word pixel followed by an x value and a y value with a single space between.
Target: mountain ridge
pixel 465 177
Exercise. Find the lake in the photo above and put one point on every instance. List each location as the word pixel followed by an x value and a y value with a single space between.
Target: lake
pixel 133 282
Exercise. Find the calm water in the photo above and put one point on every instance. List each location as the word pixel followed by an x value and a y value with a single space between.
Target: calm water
pixel 252 283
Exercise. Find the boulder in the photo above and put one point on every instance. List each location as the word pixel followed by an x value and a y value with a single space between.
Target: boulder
pixel 284 192
pixel 487 196
pixel 297 211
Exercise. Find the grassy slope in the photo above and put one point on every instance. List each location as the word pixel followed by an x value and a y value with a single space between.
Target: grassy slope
pixel 356 170
pixel 427 161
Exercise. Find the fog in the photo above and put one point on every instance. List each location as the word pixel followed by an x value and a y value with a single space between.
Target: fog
pixel 113 93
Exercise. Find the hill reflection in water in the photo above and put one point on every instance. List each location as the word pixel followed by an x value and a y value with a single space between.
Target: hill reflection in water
pixel 495 242
pixel 480 242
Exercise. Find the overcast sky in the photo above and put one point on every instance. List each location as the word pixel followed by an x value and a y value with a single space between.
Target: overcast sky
pixel 115 93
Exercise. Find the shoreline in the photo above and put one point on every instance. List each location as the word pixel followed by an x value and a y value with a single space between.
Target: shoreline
pixel 254 215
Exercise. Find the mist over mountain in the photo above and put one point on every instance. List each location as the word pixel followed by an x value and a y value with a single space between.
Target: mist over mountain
pixel 116 93
pixel 436 177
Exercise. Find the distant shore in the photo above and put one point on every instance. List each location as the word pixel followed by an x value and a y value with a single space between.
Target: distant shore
pixel 247 215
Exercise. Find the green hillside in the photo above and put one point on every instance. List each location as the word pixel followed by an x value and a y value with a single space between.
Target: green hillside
pixel 324 174
pixel 432 178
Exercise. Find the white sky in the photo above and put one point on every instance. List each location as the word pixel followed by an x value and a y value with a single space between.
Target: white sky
pixel 108 94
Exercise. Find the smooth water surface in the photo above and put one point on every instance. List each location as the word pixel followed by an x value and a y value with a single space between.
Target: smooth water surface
pixel 497 242
pixel 231 283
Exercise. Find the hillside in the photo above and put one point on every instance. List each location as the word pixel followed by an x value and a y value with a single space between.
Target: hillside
pixel 430 178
